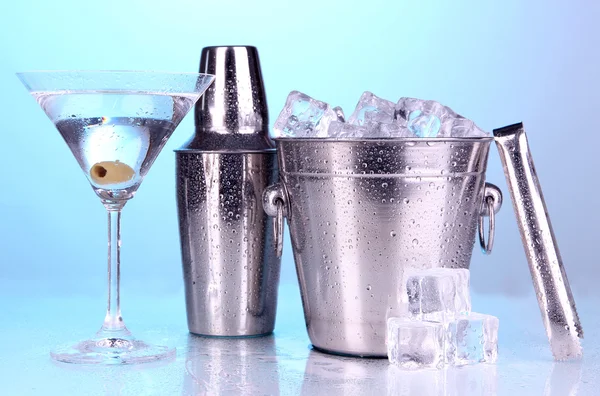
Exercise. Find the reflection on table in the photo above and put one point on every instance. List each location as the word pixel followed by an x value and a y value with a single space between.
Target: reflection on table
pixel 376 376
pixel 237 366
pixel 256 366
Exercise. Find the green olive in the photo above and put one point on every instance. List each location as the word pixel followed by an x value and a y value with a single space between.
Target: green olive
pixel 111 172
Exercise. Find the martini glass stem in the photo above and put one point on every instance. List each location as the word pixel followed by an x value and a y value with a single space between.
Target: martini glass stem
pixel 113 320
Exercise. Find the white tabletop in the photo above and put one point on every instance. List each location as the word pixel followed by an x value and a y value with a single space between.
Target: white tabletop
pixel 282 364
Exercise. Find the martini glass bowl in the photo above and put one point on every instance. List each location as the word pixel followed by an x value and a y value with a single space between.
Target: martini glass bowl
pixel 115 123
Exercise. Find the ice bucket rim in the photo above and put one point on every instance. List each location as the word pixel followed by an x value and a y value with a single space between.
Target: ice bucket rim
pixel 384 139
pixel 227 151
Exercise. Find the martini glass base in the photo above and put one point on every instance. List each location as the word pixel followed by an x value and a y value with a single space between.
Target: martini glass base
pixel 112 348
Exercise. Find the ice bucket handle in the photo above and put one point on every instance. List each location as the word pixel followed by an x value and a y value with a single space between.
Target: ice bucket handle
pixel 275 205
pixel 491 204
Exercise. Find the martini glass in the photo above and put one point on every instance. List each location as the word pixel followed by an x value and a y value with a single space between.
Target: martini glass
pixel 115 123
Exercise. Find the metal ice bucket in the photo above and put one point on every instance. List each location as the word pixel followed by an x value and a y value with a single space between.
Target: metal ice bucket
pixel 360 212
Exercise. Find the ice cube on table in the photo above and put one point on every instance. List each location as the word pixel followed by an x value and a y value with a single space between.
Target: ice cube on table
pixel 303 116
pixel 339 112
pixel 371 108
pixel 437 294
pixel 415 344
pixel 472 338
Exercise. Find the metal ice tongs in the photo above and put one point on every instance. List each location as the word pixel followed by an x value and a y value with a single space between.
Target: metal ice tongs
pixel 549 278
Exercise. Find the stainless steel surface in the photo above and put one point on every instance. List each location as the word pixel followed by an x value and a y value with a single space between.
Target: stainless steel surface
pixel 487 247
pixel 360 212
pixel 230 267
pixel 278 229
pixel 492 198
pixel 492 191
pixel 545 263
pixel 274 204
pixel 232 114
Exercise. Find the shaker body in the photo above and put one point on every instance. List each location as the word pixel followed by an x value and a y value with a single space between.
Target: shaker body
pixel 231 271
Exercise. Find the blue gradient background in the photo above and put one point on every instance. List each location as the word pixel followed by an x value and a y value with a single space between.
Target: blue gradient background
pixel 496 63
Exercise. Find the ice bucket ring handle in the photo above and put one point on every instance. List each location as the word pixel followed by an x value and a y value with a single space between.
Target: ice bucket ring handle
pixel 275 205
pixel 490 205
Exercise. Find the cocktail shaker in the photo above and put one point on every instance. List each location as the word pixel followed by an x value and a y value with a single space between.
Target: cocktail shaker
pixel 230 266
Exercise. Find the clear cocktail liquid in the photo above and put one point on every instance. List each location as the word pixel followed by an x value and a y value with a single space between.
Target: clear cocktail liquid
pixel 126 143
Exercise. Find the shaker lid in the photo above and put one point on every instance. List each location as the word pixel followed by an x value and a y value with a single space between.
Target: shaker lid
pixel 232 115
pixel 545 263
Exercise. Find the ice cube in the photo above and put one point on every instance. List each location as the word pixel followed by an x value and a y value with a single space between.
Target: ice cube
pixel 371 108
pixel 472 338
pixel 395 130
pixel 415 344
pixel 339 112
pixel 342 130
pixel 437 294
pixel 407 106
pixel 463 127
pixel 428 118
pixel 303 116
pixel 424 125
